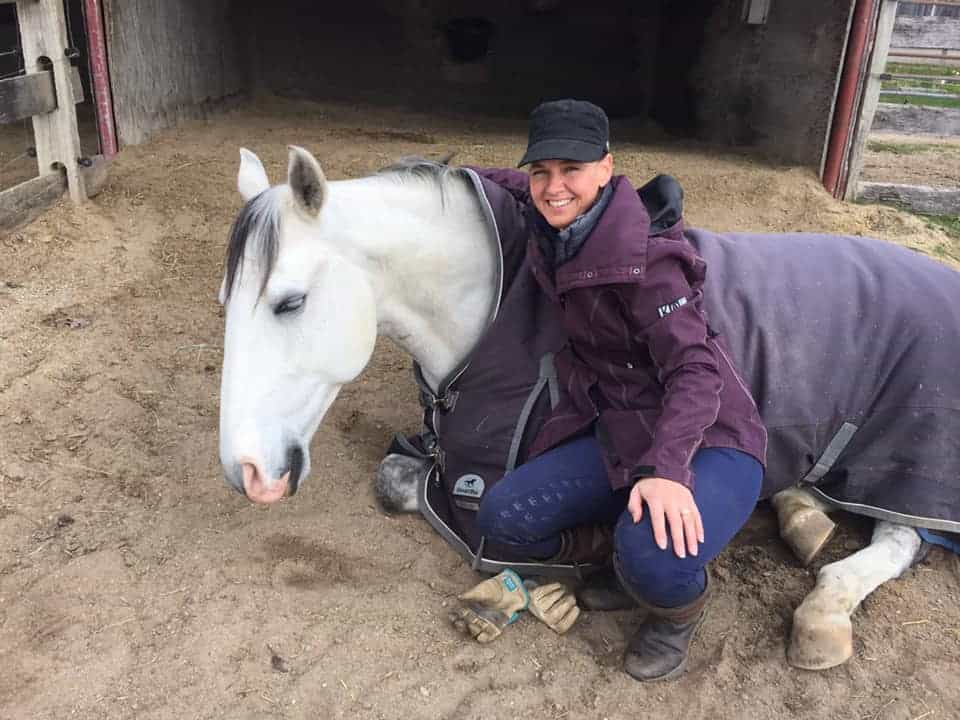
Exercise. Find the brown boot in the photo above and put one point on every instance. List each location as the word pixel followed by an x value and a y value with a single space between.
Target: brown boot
pixel 659 649
pixel 602 591
pixel 585 545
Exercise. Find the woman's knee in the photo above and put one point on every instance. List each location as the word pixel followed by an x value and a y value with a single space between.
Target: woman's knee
pixel 491 517
pixel 643 561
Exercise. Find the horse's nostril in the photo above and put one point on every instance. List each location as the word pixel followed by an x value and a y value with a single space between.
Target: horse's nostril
pixel 249 476
pixel 295 463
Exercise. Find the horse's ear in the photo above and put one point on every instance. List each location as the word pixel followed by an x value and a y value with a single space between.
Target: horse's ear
pixel 306 180
pixel 252 178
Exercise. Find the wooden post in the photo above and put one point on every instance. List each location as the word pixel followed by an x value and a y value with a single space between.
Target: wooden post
pixel 43 33
pixel 871 95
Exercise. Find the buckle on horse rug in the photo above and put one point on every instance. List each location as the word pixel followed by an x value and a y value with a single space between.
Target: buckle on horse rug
pixel 445 403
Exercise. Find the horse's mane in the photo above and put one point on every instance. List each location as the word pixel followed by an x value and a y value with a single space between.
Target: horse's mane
pixel 260 217
pixel 418 167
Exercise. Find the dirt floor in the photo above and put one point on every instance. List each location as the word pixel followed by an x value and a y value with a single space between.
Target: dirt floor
pixel 135 584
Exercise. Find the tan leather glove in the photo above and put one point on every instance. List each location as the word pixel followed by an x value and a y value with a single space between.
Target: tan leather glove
pixel 490 606
pixel 553 605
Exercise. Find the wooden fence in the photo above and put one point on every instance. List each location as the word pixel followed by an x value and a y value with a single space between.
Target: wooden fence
pixel 47 93
pixel 919 38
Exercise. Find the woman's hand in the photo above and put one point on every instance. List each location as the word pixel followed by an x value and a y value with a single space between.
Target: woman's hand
pixel 668 502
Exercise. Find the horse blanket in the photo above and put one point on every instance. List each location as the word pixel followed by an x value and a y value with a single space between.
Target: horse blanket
pixel 849 345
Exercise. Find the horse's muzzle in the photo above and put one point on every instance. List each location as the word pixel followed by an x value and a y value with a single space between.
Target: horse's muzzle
pixel 260 488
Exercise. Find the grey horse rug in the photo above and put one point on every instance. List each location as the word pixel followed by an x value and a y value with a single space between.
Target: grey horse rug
pixel 850 346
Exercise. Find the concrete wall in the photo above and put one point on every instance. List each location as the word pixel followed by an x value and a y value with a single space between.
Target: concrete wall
pixel 772 86
pixel 171 60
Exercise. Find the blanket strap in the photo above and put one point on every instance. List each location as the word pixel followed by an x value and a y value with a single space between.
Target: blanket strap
pixel 836 446
pixel 548 379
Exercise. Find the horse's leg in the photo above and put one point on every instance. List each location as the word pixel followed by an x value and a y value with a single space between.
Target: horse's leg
pixel 822 634
pixel 804 524
pixel 398 477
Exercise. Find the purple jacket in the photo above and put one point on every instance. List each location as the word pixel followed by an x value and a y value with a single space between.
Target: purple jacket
pixel 641 365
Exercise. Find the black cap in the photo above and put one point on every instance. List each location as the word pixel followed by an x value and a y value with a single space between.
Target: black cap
pixel 567 130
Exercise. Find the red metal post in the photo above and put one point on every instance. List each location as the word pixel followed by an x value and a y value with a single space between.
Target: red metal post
pixel 100 77
pixel 861 32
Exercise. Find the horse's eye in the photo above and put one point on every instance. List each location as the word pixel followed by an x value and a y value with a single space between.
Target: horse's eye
pixel 289 305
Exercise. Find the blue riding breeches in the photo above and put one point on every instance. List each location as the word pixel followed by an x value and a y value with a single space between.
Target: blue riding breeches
pixel 568 486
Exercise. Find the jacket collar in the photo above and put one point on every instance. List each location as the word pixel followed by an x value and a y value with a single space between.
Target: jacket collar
pixel 617 248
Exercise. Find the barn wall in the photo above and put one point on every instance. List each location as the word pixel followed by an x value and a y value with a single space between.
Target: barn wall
pixel 171 60
pixel 695 66
pixel 771 86
pixel 400 52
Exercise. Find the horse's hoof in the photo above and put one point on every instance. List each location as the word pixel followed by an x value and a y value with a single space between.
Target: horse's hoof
pixel 398 478
pixel 807 532
pixel 819 639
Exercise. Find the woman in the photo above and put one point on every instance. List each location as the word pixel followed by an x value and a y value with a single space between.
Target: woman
pixel 657 456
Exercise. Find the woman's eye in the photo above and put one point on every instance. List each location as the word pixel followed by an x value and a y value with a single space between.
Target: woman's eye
pixel 289 305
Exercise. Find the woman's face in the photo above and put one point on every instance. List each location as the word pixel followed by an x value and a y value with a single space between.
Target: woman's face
pixel 562 190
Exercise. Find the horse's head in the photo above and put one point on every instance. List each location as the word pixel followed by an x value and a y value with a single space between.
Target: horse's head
pixel 300 323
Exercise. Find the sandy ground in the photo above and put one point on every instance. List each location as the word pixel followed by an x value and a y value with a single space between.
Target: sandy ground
pixel 932 160
pixel 134 584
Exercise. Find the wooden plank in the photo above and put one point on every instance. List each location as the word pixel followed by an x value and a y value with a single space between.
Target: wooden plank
pixel 25 96
pixel 917 119
pixel 96 173
pixel 923 199
pixel 932 78
pixel 921 92
pixel 926 32
pixel 871 94
pixel 43 34
pixel 25 201
pixel 950 57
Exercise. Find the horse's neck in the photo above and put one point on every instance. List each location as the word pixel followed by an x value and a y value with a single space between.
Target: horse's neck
pixel 432 264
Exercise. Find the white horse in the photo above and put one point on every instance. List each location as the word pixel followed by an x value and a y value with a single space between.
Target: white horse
pixel 317 269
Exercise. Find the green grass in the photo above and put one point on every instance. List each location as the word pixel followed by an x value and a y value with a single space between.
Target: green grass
pixel 950 224
pixel 920 100
pixel 909 148
pixel 934 85
pixel 908 69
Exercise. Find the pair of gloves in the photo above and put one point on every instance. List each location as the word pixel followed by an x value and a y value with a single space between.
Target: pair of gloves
pixel 498 601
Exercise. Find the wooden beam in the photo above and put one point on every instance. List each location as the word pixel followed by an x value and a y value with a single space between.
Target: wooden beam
pixel 931 33
pixel 43 34
pixel 25 201
pixel 22 203
pixel 871 94
pixel 25 96
pixel 919 198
